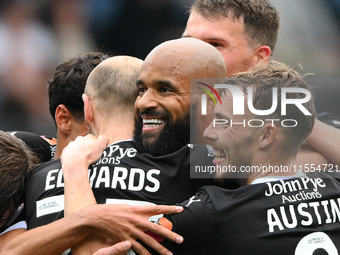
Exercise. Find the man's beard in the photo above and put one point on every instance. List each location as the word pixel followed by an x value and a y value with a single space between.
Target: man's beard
pixel 239 156
pixel 173 136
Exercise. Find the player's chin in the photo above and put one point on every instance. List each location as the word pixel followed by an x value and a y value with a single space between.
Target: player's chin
pixel 221 176
pixel 150 137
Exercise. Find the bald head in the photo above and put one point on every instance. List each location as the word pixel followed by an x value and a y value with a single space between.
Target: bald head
pixel 188 57
pixel 112 84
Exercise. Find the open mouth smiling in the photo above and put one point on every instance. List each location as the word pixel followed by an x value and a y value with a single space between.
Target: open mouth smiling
pixel 219 156
pixel 150 123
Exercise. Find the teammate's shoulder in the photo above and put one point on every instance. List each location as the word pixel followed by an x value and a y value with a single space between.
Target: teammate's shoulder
pixel 332 173
pixel 42 145
pixel 210 192
pixel 48 165
pixel 32 138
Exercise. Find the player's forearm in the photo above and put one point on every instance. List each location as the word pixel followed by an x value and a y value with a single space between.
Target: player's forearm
pixel 326 140
pixel 77 195
pixel 77 192
pixel 50 239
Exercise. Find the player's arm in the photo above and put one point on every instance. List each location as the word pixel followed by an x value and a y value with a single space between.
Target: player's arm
pixel 130 221
pixel 77 192
pixel 50 239
pixel 75 159
pixel 58 236
pixel 325 140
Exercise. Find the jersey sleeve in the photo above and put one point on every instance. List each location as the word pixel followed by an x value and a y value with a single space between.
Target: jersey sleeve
pixel 195 224
pixel 42 146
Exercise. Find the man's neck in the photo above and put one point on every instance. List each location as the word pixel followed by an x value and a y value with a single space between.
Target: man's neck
pixel 62 141
pixel 117 131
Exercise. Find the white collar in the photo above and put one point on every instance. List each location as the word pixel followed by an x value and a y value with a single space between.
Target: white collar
pixel 120 142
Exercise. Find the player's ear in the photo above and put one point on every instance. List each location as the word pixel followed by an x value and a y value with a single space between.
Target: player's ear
pixel 267 135
pixel 261 55
pixel 88 109
pixel 63 119
pixel 210 105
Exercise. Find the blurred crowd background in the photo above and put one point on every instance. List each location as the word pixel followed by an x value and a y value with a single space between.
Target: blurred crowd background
pixel 36 35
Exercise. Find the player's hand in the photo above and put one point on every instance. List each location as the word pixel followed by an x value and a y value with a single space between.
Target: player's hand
pixel 126 222
pixel 117 249
pixel 83 151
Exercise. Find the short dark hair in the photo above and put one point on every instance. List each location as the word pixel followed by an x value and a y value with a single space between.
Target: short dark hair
pixel 68 82
pixel 260 17
pixel 275 74
pixel 16 163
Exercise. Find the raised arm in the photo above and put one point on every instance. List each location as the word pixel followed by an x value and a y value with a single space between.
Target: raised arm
pixel 77 192
pixel 131 221
pixel 325 146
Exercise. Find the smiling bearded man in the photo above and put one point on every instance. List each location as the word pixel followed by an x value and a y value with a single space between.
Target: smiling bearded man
pixel 162 107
